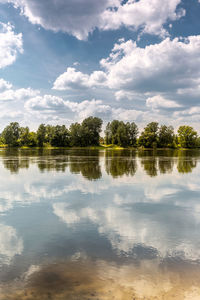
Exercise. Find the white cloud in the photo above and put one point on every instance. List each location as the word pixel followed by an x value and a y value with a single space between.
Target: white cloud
pixel 76 17
pixel 10 45
pixel 195 110
pixel 193 91
pixel 19 94
pixel 56 108
pixel 158 102
pixel 12 115
pixel 53 104
pixel 73 79
pixel 169 65
pixel 148 14
pixel 121 95
pixel 127 114
pixel 88 108
pixel 4 85
pixel 79 18
pixel 46 102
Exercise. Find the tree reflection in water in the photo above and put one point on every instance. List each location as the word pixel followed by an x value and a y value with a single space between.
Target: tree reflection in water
pixel 87 162
pixel 121 162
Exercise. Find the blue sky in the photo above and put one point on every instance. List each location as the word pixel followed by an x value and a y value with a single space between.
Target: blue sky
pixel 64 60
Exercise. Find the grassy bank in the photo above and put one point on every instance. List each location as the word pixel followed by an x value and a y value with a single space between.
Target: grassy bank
pixel 100 147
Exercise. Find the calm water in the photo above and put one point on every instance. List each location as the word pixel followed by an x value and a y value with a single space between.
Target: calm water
pixel 77 224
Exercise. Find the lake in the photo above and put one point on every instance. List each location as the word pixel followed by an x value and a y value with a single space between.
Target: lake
pixel 99 224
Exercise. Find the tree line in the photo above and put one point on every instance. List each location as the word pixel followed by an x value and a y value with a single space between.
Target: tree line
pixel 88 132
pixel 153 135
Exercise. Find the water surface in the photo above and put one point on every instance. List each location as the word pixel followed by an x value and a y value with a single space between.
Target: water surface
pixel 92 224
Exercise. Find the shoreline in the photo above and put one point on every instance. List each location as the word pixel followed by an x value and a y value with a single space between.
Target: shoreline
pixel 100 147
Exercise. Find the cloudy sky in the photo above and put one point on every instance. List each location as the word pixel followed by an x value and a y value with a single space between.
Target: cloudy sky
pixel 134 60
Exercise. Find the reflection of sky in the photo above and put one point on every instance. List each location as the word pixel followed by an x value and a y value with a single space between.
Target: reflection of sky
pixel 59 213
pixel 10 244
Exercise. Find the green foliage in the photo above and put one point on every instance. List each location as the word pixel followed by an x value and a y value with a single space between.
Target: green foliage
pixel 76 135
pixel 87 133
pixel 132 133
pixel 41 134
pixel 2 142
pixel 91 128
pixel 121 134
pixel 117 134
pixel 60 136
pixel 166 136
pixel 32 139
pixel 49 132
pixel 149 137
pixel 108 134
pixel 198 142
pixel 187 137
pixel 23 136
pixel 11 134
pixel 27 138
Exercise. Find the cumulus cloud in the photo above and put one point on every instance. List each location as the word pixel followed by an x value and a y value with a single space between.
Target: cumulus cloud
pixel 128 114
pixel 10 45
pixel 46 102
pixel 76 17
pixel 162 75
pixel 121 95
pixel 53 104
pixel 158 102
pixel 193 111
pixel 4 85
pixel 12 115
pixel 56 106
pixel 73 79
pixel 168 65
pixel 150 15
pixel 79 18
pixel 19 94
pixel 88 108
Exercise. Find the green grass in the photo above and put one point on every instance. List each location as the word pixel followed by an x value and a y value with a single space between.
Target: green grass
pixel 100 147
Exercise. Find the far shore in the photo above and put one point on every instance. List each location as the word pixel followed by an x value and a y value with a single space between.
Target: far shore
pixel 100 147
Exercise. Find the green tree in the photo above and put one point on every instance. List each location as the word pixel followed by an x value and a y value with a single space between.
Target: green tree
pixel 91 129
pixel 108 134
pixel 24 136
pixel 132 133
pixel 76 136
pixel 49 133
pixel 149 137
pixel 122 137
pixel 113 128
pixel 187 136
pixel 41 134
pixel 32 139
pixel 166 136
pixel 60 136
pixel 11 134
pixel 119 133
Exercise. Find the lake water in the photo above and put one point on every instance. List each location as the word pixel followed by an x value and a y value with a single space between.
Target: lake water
pixel 88 224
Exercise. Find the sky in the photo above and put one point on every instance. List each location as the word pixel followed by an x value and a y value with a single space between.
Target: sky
pixel 133 60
